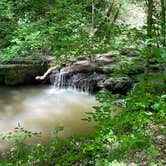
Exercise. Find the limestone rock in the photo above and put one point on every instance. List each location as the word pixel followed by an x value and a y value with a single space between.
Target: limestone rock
pixel 94 73
pixel 118 85
pixel 22 71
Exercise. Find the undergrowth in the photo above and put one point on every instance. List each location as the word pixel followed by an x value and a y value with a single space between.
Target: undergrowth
pixel 121 132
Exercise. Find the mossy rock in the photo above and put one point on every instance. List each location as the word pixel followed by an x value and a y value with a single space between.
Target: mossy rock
pixel 23 72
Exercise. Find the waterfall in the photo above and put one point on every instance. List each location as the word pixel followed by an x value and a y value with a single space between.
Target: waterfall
pixel 79 82
pixel 60 80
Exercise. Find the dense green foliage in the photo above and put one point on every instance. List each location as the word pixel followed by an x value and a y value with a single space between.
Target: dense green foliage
pixel 49 27
pixel 122 129
pixel 69 29
pixel 64 29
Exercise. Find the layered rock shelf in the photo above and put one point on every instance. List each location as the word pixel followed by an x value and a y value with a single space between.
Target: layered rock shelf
pixel 109 71
pixel 22 71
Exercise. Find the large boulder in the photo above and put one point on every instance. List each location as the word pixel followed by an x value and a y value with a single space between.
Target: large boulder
pixel 119 85
pixel 80 66
pixel 89 64
pixel 22 71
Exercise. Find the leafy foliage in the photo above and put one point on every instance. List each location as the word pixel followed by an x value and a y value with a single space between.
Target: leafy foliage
pixel 121 131
pixel 64 30
pixel 60 29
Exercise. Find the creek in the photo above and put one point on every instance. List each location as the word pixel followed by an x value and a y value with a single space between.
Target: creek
pixel 42 109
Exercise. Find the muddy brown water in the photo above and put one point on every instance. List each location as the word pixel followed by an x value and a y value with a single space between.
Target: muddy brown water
pixel 42 109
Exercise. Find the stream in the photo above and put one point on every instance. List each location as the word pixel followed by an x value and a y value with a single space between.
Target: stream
pixel 42 109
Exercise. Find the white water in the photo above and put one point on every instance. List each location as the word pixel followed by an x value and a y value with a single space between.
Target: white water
pixel 82 85
pixel 41 109
pixel 60 80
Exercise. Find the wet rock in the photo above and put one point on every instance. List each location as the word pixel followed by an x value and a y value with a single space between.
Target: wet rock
pixel 82 81
pixel 51 77
pixel 104 59
pixel 118 85
pixel 93 73
pixel 107 69
pixel 90 64
pixel 80 66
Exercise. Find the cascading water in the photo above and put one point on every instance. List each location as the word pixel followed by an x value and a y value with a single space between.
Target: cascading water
pixel 77 82
pixel 60 80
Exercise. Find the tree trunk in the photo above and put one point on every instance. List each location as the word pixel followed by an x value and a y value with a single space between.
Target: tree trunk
pixel 149 18
pixel 163 27
pixel 112 14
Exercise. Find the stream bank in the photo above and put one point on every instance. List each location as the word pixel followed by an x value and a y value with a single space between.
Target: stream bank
pixel 22 71
pixel 109 71
pixel 112 71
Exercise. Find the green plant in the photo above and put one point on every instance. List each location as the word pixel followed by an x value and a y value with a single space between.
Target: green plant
pixel 18 138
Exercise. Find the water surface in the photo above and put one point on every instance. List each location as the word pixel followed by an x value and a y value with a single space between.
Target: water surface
pixel 43 108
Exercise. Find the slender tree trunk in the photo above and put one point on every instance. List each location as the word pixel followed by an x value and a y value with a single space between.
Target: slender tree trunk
pixel 112 14
pixel 149 35
pixel 149 18
pixel 163 27
pixel 93 14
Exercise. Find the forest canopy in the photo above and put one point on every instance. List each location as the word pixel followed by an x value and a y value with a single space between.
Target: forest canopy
pixel 70 28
